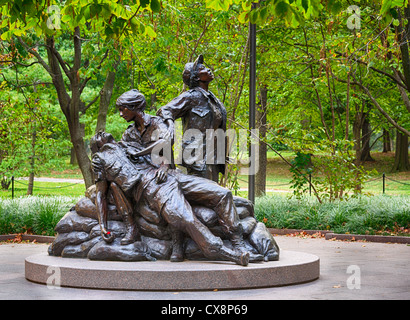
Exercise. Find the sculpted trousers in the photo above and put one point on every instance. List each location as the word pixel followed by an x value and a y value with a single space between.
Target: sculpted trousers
pixel 211 172
pixel 178 213
pixel 201 191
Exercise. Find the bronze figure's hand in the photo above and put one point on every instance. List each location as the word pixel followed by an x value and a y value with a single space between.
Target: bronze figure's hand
pixel 161 174
pixel 107 235
pixel 169 135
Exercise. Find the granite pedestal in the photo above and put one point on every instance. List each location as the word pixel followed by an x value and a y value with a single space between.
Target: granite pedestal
pixel 292 268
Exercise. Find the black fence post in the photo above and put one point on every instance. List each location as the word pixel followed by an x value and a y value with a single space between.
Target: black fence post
pixel 384 182
pixel 252 104
pixel 12 187
pixel 310 184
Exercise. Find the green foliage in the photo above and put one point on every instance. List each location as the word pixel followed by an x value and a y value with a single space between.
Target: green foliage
pixel 299 66
pixel 110 18
pixel 301 173
pixel 362 215
pixel 309 96
pixel 25 114
pixel 292 13
pixel 37 215
pixel 334 174
pixel 75 42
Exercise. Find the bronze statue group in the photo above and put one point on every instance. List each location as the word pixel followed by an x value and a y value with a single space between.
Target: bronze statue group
pixel 137 178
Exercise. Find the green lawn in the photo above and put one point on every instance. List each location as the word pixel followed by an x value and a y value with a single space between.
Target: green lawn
pixel 375 215
pixel 278 176
pixel 44 189
pixel 278 179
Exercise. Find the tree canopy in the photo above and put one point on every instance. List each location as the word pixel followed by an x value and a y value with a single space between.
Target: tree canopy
pixel 336 73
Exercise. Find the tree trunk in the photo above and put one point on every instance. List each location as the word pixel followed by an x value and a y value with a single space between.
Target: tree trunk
pixel 153 98
pixel 73 156
pixel 70 106
pixel 401 160
pixel 77 135
pixel 260 178
pixel 402 35
pixel 387 142
pixel 33 150
pixel 77 139
pixel 357 128
pixel 105 98
pixel 32 162
pixel 366 133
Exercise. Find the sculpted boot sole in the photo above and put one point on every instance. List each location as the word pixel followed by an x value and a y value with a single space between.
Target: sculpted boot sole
pixel 241 258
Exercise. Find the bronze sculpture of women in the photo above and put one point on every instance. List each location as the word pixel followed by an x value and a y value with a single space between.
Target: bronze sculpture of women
pixel 202 111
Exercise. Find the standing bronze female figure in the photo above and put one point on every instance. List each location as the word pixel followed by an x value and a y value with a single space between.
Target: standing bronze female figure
pixel 200 110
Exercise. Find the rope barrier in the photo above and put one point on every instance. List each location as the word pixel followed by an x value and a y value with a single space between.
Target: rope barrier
pixel 59 187
pixel 406 184
pixel 267 185
pixel 384 177
pixel 373 179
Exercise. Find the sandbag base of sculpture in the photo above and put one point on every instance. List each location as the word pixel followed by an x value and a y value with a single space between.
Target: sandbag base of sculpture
pixel 79 234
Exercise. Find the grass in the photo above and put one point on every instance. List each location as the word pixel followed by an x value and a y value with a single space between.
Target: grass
pixel 46 189
pixel 278 179
pixel 379 214
pixel 37 215
pixel 364 215
pixel 69 172
pixel 278 175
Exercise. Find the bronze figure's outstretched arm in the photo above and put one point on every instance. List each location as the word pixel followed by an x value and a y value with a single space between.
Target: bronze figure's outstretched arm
pixel 102 210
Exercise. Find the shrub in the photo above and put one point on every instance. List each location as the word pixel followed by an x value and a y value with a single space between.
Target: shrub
pixel 330 166
pixel 363 215
pixel 359 215
pixel 38 215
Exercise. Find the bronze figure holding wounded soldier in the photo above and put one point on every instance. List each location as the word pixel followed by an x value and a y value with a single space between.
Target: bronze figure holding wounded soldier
pixel 143 208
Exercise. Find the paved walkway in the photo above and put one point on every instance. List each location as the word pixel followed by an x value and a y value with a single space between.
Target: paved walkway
pixel 377 271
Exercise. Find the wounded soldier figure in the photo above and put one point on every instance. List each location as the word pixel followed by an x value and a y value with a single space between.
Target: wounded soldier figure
pixel 129 215
pixel 136 182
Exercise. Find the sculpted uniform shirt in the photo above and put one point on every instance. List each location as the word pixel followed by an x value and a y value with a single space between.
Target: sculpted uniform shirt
pixel 112 164
pixel 201 110
pixel 194 189
pixel 165 199
pixel 154 129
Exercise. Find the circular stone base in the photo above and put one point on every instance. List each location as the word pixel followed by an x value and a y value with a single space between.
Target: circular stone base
pixel 292 268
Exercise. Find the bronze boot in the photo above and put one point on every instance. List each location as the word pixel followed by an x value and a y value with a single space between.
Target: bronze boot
pixel 240 246
pixel 131 231
pixel 177 246
pixel 241 258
